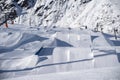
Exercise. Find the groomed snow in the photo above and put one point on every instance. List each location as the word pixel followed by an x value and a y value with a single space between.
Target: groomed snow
pixel 93 74
pixel 57 53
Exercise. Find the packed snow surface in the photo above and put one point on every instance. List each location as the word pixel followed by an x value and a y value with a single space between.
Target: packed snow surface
pixel 30 53
pixel 102 74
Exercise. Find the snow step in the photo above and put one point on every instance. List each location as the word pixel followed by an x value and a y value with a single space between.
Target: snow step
pixel 105 57
pixel 101 40
pixel 77 40
pixel 72 58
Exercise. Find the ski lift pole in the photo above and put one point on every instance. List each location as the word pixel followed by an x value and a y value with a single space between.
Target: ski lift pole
pixel 6 24
pixel 12 22
pixel 115 33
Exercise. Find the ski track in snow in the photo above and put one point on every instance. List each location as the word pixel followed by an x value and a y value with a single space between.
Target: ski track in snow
pixel 35 51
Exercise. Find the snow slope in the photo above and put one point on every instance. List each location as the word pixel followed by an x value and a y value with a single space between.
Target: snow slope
pixel 102 74
pixel 73 13
pixel 35 51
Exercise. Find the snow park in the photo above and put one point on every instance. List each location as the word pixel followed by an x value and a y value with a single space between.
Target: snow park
pixel 59 39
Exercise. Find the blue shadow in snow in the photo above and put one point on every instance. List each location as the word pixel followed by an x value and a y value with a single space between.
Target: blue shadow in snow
pixel 45 65
pixel 61 43
pixel 41 59
pixel 93 37
pixel 100 55
pixel 107 35
pixel 118 55
pixel 45 51
pixel 26 38
pixel 116 42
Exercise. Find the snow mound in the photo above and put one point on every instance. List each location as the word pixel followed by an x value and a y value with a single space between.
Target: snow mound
pixel 54 51
pixel 17 50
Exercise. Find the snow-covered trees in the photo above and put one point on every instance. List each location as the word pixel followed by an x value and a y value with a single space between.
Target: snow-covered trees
pixel 7 10
pixel 10 9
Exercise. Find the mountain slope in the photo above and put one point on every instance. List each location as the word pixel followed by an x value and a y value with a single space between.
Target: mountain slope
pixel 64 13
pixel 99 14
pixel 49 12
pixel 73 13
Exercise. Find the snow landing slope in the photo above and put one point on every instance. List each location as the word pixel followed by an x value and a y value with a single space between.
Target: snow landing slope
pixel 42 53
pixel 97 74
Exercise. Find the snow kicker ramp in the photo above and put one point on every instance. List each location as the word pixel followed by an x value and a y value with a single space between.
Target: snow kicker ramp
pixel 17 50
pixel 62 52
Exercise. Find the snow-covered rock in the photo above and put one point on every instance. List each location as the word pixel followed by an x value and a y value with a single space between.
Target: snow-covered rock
pixel 73 13
pixel 65 13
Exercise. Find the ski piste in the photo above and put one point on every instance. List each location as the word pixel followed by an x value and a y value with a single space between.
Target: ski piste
pixel 32 51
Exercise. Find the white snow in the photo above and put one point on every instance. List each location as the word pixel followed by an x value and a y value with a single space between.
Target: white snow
pixel 51 43
pixel 30 52
pixel 71 13
pixel 97 74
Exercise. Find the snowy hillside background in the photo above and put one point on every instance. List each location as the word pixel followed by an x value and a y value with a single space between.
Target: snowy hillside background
pixel 66 13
